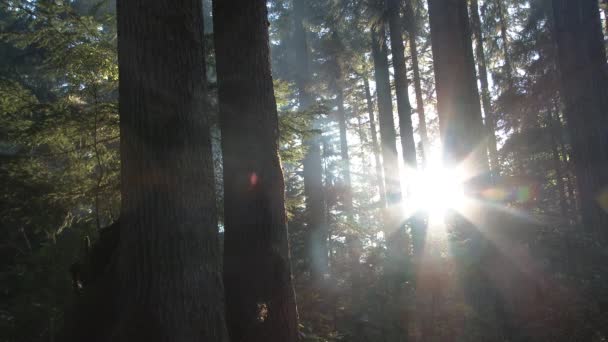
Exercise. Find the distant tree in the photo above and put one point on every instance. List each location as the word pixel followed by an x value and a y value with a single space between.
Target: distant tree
pixel 412 22
pixel 375 145
pixel 394 232
pixel 312 163
pixel 260 302
pixel 404 109
pixel 584 90
pixel 480 57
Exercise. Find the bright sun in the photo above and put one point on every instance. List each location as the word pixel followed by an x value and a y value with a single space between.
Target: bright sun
pixel 436 190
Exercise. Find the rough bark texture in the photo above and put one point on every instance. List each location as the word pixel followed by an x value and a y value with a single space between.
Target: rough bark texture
pixel 404 109
pixel 489 120
pixel 584 85
pixel 313 168
pixel 169 283
pixel 422 130
pixel 375 145
pixel 260 302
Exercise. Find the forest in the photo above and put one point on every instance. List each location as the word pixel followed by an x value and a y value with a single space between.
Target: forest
pixel 304 170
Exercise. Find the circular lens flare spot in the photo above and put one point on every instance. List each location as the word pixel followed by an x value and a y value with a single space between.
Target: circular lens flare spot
pixel 253 179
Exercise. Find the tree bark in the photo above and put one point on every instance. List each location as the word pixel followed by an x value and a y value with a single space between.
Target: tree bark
pixel 404 108
pixel 169 284
pixel 489 121
pixel 260 302
pixel 584 85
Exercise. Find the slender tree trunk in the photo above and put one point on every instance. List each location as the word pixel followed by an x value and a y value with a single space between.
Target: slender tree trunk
pixel 557 165
pixel 260 302
pixel 489 122
pixel 347 195
pixel 313 168
pixel 422 129
pixel 404 108
pixel 388 137
pixel 393 230
pixel 375 145
pixel 605 10
pixel 519 158
pixel 504 36
pixel 584 84
pixel 169 283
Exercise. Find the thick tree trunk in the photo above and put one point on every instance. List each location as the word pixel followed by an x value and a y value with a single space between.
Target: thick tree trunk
pixel 404 108
pixel 458 104
pixel 375 145
pixel 313 168
pixel 584 84
pixel 489 121
pixel 260 302
pixel 422 129
pixel 394 234
pixel 169 283
pixel 462 131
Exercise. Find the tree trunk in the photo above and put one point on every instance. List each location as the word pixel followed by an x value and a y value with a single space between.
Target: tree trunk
pixel 557 164
pixel 605 10
pixel 169 284
pixel 375 145
pixel 461 129
pixel 404 108
pixel 313 168
pixel 388 137
pixel 584 85
pixel 260 302
pixel 422 130
pixel 507 67
pixel 347 197
pixel 489 122
pixel 458 104
pixel 394 234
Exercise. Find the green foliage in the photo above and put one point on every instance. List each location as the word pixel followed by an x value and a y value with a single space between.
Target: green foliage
pixel 59 140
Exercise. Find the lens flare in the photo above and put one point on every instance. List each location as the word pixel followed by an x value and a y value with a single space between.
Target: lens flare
pixel 436 190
